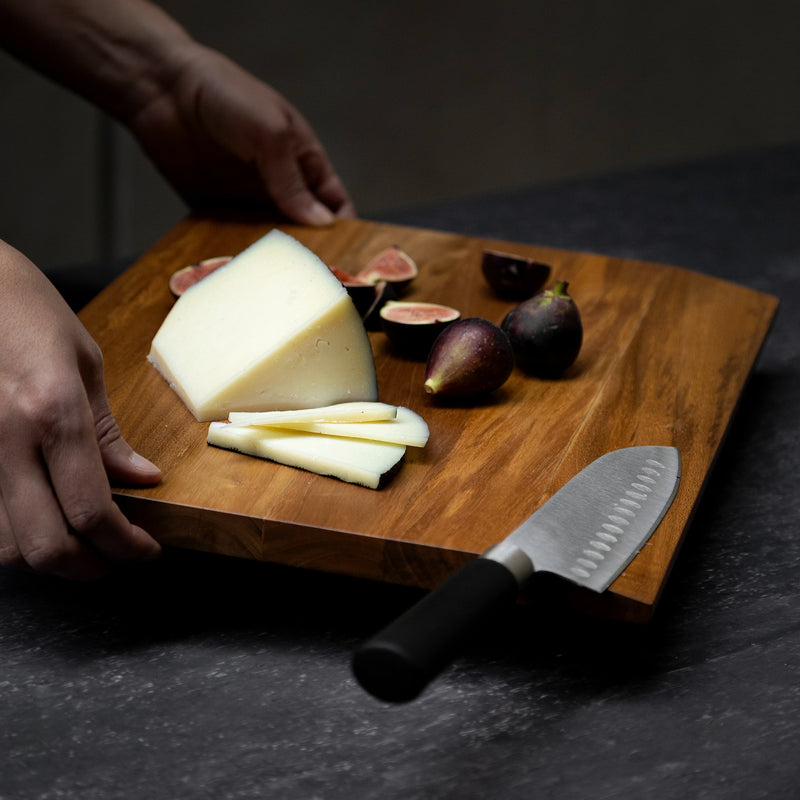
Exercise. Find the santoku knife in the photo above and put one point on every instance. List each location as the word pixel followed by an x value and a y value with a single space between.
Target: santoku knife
pixel 587 532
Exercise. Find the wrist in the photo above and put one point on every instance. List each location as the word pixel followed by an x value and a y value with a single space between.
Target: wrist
pixel 134 62
pixel 118 55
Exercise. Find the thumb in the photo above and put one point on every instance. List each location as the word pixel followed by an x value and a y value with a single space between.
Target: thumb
pixel 122 463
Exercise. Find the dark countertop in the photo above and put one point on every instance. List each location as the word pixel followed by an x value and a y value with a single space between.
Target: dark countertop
pixel 206 677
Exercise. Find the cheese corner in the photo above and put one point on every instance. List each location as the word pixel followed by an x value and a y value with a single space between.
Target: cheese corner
pixel 273 329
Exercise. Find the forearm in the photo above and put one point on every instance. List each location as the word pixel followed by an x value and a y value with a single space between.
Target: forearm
pixel 118 54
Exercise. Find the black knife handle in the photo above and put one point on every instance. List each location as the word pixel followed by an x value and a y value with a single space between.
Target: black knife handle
pixel 400 661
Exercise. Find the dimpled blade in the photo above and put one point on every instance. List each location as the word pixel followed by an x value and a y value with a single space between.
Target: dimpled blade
pixel 591 529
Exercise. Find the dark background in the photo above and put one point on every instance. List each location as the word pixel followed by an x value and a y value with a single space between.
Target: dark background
pixel 422 101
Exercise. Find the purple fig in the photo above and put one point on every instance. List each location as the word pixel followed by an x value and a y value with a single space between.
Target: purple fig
pixel 513 277
pixel 470 357
pixel 545 332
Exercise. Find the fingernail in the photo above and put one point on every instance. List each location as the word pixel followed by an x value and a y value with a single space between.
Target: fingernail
pixel 318 214
pixel 140 463
pixel 153 554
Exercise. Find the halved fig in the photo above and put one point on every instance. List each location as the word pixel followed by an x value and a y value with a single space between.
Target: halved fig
pixel 348 278
pixel 362 293
pixel 185 277
pixel 392 265
pixel 412 328
pixel 383 294
pixel 513 277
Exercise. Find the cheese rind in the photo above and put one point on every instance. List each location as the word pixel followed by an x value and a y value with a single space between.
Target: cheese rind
pixel 358 461
pixel 407 428
pixel 272 329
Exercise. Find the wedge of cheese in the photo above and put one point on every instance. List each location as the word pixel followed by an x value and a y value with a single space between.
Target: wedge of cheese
pixel 358 461
pixel 272 329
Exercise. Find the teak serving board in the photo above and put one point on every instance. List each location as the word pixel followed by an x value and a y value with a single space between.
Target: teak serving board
pixel 665 357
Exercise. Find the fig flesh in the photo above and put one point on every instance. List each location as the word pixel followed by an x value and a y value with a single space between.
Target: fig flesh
pixel 413 327
pixel 392 265
pixel 185 277
pixel 346 278
pixel 513 277
pixel 546 332
pixel 471 357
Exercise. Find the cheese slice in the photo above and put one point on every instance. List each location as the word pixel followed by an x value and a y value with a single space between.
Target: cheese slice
pixel 407 428
pixel 272 329
pixel 358 461
pixel 340 412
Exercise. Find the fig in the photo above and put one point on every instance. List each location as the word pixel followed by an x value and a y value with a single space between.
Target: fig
pixel 382 295
pixel 413 327
pixel 185 277
pixel 546 332
pixel 345 277
pixel 362 293
pixel 513 277
pixel 392 265
pixel 470 357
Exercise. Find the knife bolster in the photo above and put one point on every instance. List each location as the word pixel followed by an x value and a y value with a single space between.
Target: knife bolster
pixel 513 559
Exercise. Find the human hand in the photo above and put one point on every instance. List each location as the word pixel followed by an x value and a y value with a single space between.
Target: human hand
pixel 220 135
pixel 59 442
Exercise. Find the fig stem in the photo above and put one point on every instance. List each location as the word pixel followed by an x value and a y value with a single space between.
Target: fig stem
pixel 560 289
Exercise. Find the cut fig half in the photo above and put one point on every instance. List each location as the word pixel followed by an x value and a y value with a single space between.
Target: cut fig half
pixel 384 292
pixel 362 293
pixel 392 265
pixel 347 278
pixel 186 277
pixel 513 277
pixel 412 328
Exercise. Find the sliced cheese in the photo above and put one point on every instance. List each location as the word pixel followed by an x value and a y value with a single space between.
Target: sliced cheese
pixel 340 412
pixel 272 329
pixel 407 428
pixel 358 461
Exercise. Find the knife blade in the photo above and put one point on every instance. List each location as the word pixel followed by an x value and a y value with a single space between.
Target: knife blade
pixel 587 533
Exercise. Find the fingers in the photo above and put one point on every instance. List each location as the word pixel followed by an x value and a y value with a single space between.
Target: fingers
pixel 33 532
pixel 297 173
pixel 326 184
pixel 287 186
pixel 78 476
pixel 120 461
pixel 58 515
pixel 98 451
pixel 306 190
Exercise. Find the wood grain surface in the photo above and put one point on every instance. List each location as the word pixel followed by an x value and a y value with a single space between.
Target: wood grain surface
pixel 665 358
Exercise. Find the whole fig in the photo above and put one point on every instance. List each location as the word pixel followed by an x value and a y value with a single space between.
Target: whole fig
pixel 470 357
pixel 546 332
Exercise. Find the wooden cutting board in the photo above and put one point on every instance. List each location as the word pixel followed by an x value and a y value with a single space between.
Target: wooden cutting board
pixel 665 357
